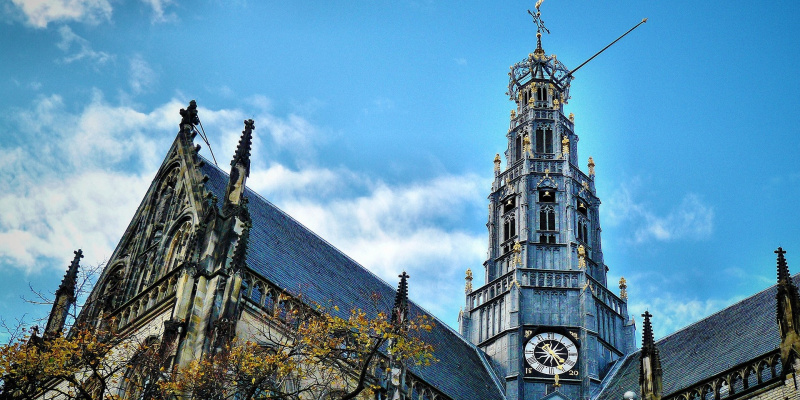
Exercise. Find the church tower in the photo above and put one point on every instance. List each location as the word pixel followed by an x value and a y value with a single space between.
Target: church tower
pixel 545 315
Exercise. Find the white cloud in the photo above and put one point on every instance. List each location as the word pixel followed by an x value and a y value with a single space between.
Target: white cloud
pixel 84 48
pixel 158 6
pixel 142 77
pixel 404 228
pixel 689 219
pixel 41 12
pixel 671 313
pixel 75 180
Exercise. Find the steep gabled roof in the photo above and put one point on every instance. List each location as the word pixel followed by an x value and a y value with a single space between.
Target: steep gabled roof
pixel 292 257
pixel 721 341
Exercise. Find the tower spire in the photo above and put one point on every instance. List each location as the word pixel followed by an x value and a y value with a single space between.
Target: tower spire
pixel 650 382
pixel 400 309
pixel 65 298
pixel 240 166
pixel 788 301
pixel 242 154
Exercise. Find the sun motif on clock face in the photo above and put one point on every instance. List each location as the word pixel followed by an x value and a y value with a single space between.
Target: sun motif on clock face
pixel 551 353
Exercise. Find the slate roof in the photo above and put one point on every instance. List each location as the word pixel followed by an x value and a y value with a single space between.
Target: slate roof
pixel 732 336
pixel 293 257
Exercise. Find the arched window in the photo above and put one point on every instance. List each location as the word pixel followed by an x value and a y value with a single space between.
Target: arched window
pixel 583 230
pixel 509 228
pixel 544 140
pixel 140 379
pixel 177 247
pixel 541 94
pixel 547 218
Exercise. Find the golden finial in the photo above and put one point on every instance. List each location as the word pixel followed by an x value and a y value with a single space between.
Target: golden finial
pixel 556 378
pixel 572 118
pixel 623 289
pixel 530 101
pixel 497 164
pixel 556 104
pixel 468 279
pixel 591 167
pixel 513 114
pixel 581 257
pixel 565 145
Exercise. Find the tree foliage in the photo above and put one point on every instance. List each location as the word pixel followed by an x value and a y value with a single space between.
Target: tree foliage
pixel 302 353
pixel 313 353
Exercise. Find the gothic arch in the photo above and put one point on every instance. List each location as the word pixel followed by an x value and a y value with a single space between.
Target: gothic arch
pixel 176 248
pixel 136 383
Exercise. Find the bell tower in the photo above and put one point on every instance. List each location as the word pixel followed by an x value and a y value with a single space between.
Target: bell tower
pixel 545 315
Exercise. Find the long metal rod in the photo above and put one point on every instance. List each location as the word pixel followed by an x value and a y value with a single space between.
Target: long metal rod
pixel 604 49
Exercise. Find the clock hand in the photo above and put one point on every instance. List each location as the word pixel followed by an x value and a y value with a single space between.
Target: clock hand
pixel 558 359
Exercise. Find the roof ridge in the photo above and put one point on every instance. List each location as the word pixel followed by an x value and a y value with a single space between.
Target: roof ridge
pixel 795 276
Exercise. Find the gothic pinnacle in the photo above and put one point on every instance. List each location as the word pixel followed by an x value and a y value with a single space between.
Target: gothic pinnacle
pixel 400 309
pixel 65 298
pixel 783 268
pixel 71 277
pixel 242 154
pixel 647 333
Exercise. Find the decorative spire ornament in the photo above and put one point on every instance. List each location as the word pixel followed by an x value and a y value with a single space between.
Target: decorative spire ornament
pixel 650 382
pixel 240 166
pixel 65 298
pixel 788 310
pixel 468 279
pixel 591 167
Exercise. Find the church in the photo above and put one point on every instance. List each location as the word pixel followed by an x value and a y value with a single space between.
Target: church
pixel 204 257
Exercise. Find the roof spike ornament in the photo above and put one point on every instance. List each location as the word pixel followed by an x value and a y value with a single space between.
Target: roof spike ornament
pixel 497 164
pixel 650 374
pixel 65 298
pixel 537 20
pixel 240 166
pixel 242 154
pixel 788 313
pixel 400 309
pixel 591 167
pixel 468 279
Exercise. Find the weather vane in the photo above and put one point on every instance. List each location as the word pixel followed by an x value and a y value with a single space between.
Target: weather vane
pixel 537 19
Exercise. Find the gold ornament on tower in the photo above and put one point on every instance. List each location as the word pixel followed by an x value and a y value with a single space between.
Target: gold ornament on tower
pixel 517 259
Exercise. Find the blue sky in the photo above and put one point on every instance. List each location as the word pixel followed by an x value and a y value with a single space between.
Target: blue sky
pixel 377 123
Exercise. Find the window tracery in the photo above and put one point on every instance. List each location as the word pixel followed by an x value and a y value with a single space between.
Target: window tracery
pixel 547 218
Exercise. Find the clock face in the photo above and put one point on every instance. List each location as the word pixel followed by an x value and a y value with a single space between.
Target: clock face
pixel 551 353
